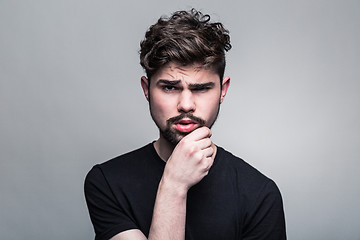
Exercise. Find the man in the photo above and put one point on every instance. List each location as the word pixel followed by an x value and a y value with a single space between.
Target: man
pixel 183 186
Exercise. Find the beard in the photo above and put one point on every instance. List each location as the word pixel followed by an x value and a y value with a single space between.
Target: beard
pixel 172 135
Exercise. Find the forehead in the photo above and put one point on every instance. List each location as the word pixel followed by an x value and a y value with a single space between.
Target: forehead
pixel 192 73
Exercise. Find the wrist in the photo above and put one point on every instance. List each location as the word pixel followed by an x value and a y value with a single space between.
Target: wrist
pixel 173 189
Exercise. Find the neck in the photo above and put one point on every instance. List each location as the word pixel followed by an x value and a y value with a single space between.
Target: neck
pixel 163 148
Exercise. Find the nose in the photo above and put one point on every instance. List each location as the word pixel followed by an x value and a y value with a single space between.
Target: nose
pixel 186 102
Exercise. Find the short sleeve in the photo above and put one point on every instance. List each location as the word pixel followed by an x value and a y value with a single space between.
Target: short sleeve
pixel 107 215
pixel 266 217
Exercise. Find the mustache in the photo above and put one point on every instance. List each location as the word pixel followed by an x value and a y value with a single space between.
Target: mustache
pixel 185 115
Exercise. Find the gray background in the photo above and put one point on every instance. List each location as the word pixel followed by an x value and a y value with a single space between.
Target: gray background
pixel 70 97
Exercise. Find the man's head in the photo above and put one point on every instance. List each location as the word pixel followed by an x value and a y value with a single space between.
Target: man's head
pixel 186 37
pixel 184 59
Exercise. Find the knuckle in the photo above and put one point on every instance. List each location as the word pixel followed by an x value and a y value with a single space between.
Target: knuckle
pixel 207 131
pixel 207 166
pixel 198 156
pixel 211 150
pixel 192 149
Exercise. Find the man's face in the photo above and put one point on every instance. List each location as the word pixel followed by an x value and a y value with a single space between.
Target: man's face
pixel 183 98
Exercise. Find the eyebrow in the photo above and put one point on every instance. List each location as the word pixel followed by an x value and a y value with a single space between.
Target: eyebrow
pixel 202 85
pixel 191 85
pixel 168 82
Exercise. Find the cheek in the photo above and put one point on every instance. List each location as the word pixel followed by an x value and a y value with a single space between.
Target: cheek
pixel 208 109
pixel 208 104
pixel 161 107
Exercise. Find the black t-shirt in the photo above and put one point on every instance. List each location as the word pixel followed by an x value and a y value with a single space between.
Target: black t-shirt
pixel 234 201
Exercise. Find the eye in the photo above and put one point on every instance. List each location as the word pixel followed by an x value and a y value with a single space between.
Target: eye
pixel 169 88
pixel 201 89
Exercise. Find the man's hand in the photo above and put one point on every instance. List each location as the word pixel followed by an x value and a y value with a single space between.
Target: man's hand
pixel 191 160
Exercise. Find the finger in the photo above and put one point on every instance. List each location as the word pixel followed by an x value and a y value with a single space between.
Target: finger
pixel 198 134
pixel 208 152
pixel 210 162
pixel 204 143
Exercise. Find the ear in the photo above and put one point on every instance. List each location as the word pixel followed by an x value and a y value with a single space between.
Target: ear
pixel 145 86
pixel 225 86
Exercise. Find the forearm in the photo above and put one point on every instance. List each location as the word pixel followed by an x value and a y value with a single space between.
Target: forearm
pixel 169 214
pixel 189 162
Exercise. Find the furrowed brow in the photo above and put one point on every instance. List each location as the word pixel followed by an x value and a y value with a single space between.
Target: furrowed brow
pixel 169 82
pixel 202 85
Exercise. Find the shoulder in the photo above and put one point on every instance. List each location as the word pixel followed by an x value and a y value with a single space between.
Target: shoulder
pixel 122 166
pixel 236 164
pixel 127 161
pixel 248 178
pixel 129 157
pixel 259 193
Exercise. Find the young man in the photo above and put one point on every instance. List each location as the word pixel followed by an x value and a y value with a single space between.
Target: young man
pixel 183 186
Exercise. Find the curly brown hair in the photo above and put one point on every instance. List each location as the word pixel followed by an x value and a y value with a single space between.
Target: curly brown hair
pixel 185 37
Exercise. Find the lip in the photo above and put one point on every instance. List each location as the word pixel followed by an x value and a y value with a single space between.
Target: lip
pixel 186 125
